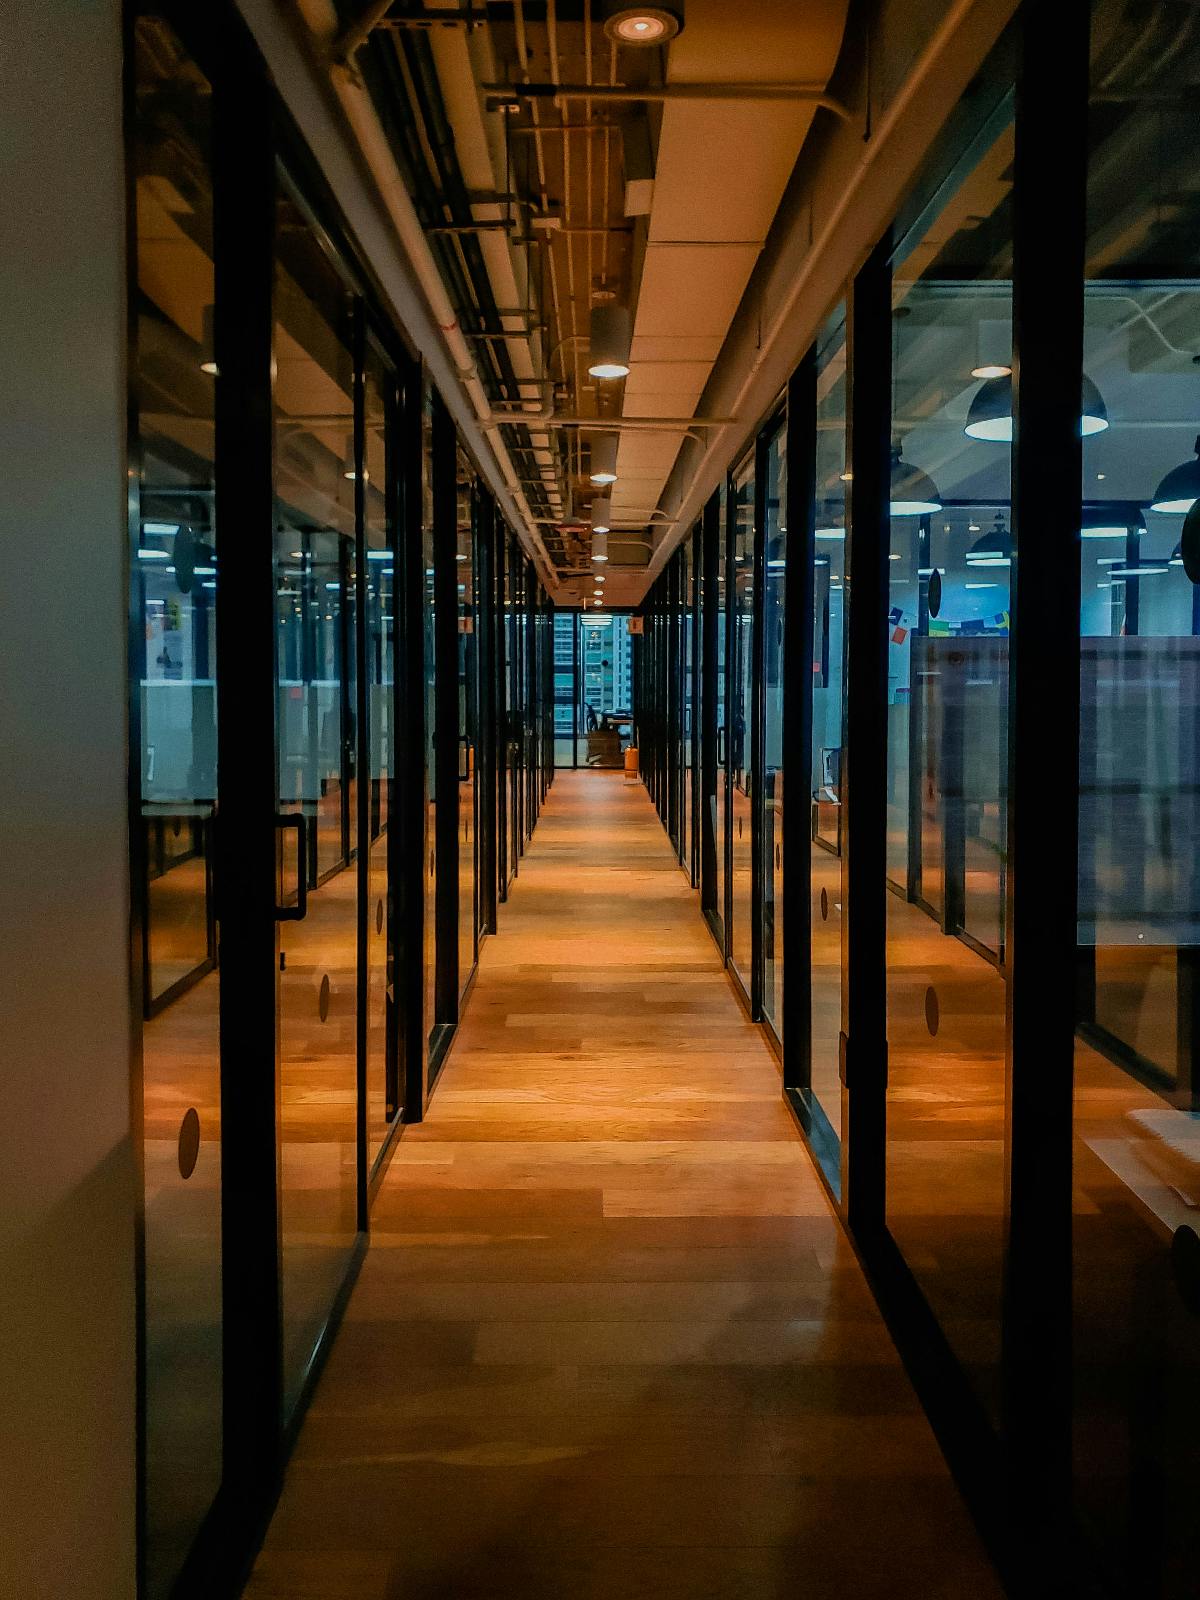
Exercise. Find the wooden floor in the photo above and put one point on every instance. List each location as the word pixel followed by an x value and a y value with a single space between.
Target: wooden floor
pixel 609 1340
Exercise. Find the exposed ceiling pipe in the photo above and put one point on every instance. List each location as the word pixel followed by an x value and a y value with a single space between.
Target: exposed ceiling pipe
pixel 322 21
pixel 461 60
pixel 510 94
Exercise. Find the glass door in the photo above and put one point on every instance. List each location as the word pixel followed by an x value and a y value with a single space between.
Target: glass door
pixel 317 467
pixel 1136 1173
pixel 741 726
pixel 828 677
pixel 468 711
pixel 380 409
pixel 774 597
pixel 715 746
pixel 173 754
pixel 951 554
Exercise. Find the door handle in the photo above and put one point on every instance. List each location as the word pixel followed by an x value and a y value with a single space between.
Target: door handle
pixel 720 747
pixel 464 757
pixel 297 820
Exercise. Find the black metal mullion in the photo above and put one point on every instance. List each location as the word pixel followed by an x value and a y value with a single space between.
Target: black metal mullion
pixel 863 1040
pixel 1042 888
pixel 361 752
pixel 244 190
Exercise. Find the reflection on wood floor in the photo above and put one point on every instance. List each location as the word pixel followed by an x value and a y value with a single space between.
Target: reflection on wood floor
pixel 609 1340
pixel 825 920
pixel 945 1140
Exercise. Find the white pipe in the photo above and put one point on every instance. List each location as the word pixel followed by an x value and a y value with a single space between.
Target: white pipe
pixel 322 22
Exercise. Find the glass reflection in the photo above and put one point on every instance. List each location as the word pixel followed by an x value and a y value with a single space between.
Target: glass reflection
pixel 828 723
pixel 174 575
pixel 1137 1427
pixel 775 535
pixel 316 470
pixel 948 625
pixel 382 1071
pixel 716 529
pixel 468 699
pixel 741 723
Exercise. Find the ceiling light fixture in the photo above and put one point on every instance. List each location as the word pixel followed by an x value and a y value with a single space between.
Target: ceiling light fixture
pixel 1180 489
pixel 610 334
pixel 913 492
pixel 990 415
pixel 601 513
pixel 993 371
pixel 604 458
pixel 992 549
pixel 642 25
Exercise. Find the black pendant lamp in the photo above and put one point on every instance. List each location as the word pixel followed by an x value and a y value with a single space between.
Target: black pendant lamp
pixel 1180 489
pixel 993 548
pixel 991 411
pixel 913 492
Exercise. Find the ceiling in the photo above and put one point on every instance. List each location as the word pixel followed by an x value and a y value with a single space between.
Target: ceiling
pixel 537 207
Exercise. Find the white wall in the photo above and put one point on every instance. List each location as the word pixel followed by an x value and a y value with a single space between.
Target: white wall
pixel 67 1361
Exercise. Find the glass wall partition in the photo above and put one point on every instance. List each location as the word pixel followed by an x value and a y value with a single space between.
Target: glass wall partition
pixel 1137 1255
pixel 741 601
pixel 716 780
pixel 828 738
pixel 173 616
pixel 774 679
pixel 317 649
pixel 380 415
pixel 468 702
pixel 689 655
pixel 950 555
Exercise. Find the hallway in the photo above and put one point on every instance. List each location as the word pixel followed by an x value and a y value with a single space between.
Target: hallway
pixel 609 1339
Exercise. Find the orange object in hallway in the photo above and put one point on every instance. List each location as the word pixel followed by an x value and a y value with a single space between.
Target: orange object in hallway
pixel 631 764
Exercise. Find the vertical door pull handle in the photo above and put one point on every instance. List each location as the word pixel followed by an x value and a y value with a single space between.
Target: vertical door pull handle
pixel 298 821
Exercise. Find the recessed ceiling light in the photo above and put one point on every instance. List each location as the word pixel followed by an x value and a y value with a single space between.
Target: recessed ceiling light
pixel 642 25
pixel 994 371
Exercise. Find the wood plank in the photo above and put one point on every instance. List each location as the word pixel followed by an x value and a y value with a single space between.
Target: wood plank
pixel 610 1339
